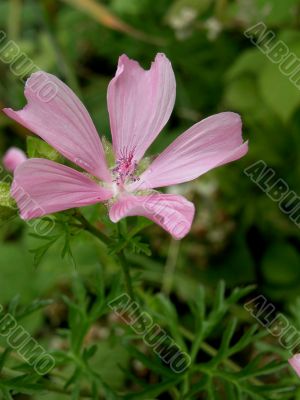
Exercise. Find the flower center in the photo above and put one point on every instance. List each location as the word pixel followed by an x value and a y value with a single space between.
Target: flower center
pixel 124 170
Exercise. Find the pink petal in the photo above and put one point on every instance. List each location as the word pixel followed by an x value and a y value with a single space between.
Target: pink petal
pixel 295 363
pixel 208 144
pixel 55 113
pixel 43 187
pixel 173 213
pixel 12 158
pixel 139 103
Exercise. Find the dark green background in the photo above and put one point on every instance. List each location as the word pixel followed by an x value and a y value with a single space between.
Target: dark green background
pixel 239 233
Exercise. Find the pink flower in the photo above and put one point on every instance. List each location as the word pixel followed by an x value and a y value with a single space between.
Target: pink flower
pixel 13 158
pixel 295 363
pixel 139 104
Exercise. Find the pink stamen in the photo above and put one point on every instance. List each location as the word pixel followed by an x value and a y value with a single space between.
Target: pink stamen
pixel 125 167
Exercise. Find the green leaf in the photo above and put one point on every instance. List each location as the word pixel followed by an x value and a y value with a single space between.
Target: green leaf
pixel 8 206
pixel 3 357
pixel 90 352
pixel 197 387
pixel 197 306
pixel 153 365
pixel 225 344
pixel 37 148
pixel 249 62
pixel 13 304
pixel 79 290
pixel 219 297
pixel 276 12
pixel 76 391
pixel 39 252
pixel 6 394
pixel 270 368
pixel 239 293
pixel 235 95
pixel 139 247
pixel 167 308
pixel 248 337
pixel 33 307
pixel 279 93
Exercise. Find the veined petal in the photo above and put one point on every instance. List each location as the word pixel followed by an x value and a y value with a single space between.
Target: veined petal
pixel 210 143
pixel 55 113
pixel 173 213
pixel 43 187
pixel 139 103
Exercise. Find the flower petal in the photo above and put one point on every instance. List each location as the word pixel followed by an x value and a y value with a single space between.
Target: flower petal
pixel 139 103
pixel 295 363
pixel 43 187
pixel 210 143
pixel 12 158
pixel 173 213
pixel 55 113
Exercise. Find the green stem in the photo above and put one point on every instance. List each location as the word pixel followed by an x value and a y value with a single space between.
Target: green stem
pixel 85 224
pixel 170 267
pixel 208 349
pixel 125 268
pixel 91 228
pixel 8 373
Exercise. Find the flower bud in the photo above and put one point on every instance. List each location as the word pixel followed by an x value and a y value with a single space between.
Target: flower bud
pixel 12 158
